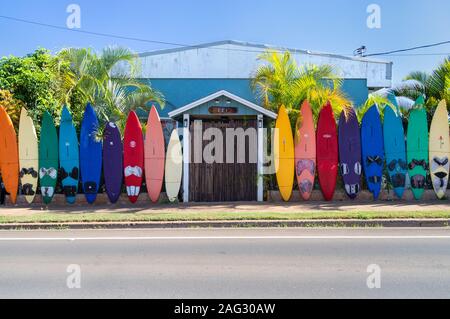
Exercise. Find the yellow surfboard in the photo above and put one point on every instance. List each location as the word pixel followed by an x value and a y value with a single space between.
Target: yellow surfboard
pixel 440 150
pixel 28 156
pixel 284 156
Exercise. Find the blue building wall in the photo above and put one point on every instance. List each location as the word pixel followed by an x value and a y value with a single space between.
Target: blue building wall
pixel 180 92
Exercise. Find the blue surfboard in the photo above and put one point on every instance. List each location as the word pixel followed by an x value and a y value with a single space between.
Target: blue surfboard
pixel 372 150
pixel 69 159
pixel 90 155
pixel 395 147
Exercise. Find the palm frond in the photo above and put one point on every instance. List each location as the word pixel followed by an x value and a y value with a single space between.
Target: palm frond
pixel 418 76
pixel 107 80
pixel 112 56
pixel 438 81
pixel 280 81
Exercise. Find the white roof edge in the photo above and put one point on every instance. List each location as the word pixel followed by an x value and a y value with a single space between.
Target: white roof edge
pixel 263 47
pixel 229 95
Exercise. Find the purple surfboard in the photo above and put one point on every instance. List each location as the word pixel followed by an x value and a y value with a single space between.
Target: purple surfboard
pixel 113 161
pixel 350 153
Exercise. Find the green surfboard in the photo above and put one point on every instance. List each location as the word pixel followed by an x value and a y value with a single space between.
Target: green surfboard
pixel 48 158
pixel 417 148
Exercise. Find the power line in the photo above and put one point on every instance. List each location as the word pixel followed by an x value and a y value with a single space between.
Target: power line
pixel 108 35
pixel 422 54
pixel 409 49
pixel 91 32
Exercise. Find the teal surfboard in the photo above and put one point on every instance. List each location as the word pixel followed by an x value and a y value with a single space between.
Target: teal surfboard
pixel 395 148
pixel 48 158
pixel 417 148
pixel 69 160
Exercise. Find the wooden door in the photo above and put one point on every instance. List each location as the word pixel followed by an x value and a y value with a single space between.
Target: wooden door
pixel 223 182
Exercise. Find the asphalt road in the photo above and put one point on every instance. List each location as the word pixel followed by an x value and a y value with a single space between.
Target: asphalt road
pixel 229 263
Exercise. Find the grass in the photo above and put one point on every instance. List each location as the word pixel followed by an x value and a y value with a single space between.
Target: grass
pixel 85 216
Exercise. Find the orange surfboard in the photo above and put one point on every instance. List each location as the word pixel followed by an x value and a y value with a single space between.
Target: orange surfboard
pixel 305 151
pixel 154 155
pixel 9 155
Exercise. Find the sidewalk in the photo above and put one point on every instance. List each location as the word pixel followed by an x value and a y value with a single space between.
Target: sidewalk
pixel 362 214
pixel 292 207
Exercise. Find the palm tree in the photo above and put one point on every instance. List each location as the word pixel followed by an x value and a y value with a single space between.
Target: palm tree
pixel 107 80
pixel 280 81
pixel 439 82
pixel 434 87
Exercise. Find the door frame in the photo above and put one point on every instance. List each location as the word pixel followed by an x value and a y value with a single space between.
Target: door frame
pixel 187 156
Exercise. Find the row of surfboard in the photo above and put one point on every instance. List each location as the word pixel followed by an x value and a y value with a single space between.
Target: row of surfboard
pixel 353 150
pixel 65 158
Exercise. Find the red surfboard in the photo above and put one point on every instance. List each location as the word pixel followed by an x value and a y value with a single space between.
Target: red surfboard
pixel 155 155
pixel 327 152
pixel 133 157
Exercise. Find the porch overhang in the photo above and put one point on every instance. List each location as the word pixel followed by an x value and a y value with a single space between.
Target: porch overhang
pixel 256 108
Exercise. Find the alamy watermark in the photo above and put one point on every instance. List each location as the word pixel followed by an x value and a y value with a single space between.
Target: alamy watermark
pixel 74 19
pixel 231 145
pixel 73 280
pixel 374 18
pixel 374 279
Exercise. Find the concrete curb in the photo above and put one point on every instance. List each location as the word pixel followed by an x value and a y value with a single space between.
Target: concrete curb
pixel 344 223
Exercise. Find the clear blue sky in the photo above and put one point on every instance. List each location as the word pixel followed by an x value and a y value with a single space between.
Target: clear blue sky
pixel 320 25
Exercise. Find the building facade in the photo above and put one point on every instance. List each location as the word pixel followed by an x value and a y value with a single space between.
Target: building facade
pixel 208 86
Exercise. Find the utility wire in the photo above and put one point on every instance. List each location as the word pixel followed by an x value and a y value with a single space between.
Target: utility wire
pixel 108 35
pixel 90 32
pixel 421 54
pixel 409 49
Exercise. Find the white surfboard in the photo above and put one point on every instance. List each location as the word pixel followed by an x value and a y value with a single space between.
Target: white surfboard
pixel 174 167
pixel 28 156
pixel 440 150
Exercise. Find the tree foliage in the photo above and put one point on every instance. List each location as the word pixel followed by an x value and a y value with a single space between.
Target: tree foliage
pixel 280 81
pixel 107 80
pixel 31 80
pixel 74 77
pixel 12 106
pixel 435 86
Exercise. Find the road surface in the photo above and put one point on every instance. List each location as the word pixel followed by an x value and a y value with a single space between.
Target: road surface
pixel 226 263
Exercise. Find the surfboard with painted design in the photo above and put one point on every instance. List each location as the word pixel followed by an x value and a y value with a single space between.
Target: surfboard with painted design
pixel 48 158
pixel 133 156
pixel 439 150
pixel 28 156
pixel 90 155
pixel 305 151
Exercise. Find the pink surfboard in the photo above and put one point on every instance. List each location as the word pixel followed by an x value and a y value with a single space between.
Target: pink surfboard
pixel 305 152
pixel 154 155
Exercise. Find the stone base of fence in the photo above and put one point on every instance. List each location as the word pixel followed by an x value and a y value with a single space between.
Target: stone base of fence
pixel 102 200
pixel 274 196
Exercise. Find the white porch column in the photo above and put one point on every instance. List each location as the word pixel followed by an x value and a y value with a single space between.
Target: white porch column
pixel 260 169
pixel 186 156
